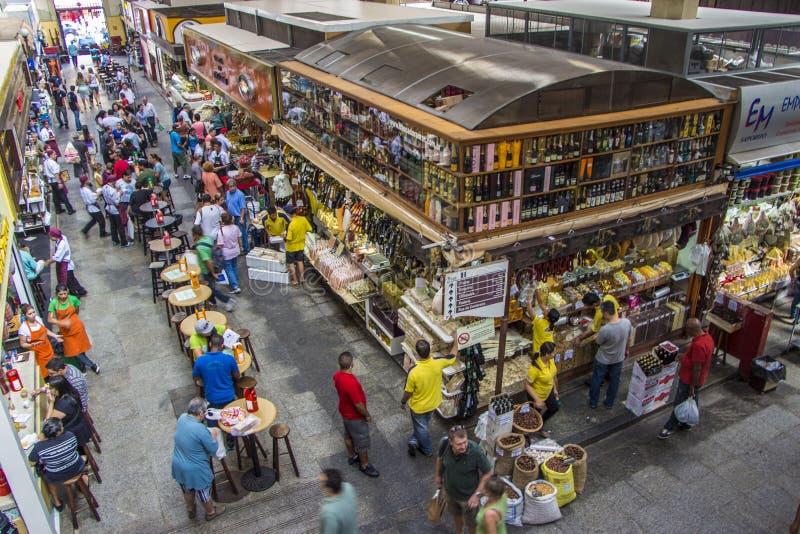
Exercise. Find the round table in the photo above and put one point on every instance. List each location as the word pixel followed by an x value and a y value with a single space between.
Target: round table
pixel 157 246
pixel 147 208
pixel 177 269
pixel 245 365
pixel 202 294
pixel 169 220
pixel 214 317
pixel 258 478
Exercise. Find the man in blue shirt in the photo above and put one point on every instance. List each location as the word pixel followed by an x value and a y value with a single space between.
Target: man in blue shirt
pixel 216 372
pixel 178 145
pixel 235 201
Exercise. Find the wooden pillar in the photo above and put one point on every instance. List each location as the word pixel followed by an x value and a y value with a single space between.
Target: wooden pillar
pixel 698 284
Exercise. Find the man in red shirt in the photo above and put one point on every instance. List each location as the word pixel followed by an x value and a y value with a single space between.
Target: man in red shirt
pixel 692 373
pixel 356 418
pixel 120 166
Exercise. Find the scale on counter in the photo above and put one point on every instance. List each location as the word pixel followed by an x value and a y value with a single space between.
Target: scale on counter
pixel 683 275
pixel 376 262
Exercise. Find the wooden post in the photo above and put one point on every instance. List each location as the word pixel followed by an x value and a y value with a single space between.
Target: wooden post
pixel 501 347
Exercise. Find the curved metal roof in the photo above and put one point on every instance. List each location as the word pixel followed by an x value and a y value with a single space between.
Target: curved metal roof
pixel 510 83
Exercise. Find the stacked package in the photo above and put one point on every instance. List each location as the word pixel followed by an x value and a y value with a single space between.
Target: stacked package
pixel 267 265
pixel 339 271
pixel 652 378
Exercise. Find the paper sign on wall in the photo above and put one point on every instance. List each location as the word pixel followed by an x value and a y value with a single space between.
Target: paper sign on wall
pixel 475 333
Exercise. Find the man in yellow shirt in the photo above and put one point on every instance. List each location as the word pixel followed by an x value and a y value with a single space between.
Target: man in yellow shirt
pixel 423 393
pixel 542 325
pixel 275 223
pixel 592 299
pixel 296 242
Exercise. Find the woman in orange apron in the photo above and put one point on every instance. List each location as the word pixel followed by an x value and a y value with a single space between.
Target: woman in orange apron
pixel 63 312
pixel 33 335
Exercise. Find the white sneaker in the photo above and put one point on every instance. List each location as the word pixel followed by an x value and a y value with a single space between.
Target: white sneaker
pixel 230 305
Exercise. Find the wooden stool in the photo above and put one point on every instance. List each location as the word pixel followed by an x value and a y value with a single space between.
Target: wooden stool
pixel 87 452
pixel 155 276
pixel 165 297
pixel 280 431
pixel 188 351
pixel 244 336
pixel 176 320
pixel 214 474
pixel 169 198
pixel 87 493
pixel 140 228
pixel 244 382
pixel 96 439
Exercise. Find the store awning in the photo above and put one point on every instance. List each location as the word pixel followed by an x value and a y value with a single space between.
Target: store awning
pixel 503 83
pixel 770 152
pixel 374 193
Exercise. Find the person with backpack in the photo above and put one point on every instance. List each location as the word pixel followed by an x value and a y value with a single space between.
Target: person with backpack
pixel 209 267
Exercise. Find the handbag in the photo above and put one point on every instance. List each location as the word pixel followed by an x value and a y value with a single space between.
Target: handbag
pixel 436 507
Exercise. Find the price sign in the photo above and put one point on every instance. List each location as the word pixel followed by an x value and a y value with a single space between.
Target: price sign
pixel 475 333
pixel 476 291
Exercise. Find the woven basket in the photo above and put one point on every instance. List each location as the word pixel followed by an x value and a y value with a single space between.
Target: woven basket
pixel 537 415
pixel 522 476
pixel 579 468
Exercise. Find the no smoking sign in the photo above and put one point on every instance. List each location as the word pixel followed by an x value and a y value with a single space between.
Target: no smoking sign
pixel 474 333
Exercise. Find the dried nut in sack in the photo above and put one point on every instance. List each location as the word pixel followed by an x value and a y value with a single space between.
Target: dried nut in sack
pixel 574 452
pixel 510 493
pixel 557 464
pixel 526 462
pixel 509 440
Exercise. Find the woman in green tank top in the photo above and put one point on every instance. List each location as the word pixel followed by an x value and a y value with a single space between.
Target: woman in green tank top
pixel 491 516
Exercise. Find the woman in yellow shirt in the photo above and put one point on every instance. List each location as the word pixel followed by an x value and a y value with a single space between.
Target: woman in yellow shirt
pixel 542 383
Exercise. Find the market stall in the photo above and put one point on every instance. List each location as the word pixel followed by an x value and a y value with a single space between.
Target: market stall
pixel 594 197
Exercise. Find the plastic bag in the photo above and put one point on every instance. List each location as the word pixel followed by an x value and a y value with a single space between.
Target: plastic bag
pixel 480 428
pixel 687 412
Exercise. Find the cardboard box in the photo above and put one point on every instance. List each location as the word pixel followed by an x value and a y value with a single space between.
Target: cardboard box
pixel 266 260
pixel 268 276
pixel 641 386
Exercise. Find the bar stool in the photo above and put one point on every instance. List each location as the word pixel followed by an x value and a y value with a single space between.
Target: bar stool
pixel 96 439
pixel 87 493
pixel 169 199
pixel 176 320
pixel 280 431
pixel 155 276
pixel 214 474
pixel 244 382
pixel 244 335
pixel 240 446
pixel 184 237
pixel 92 463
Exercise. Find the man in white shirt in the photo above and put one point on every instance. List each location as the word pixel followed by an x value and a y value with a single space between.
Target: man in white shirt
pixel 209 215
pixel 52 171
pixel 224 142
pixel 112 199
pixel 90 199
pixel 126 93
pixel 184 114
pixel 110 121
pixel 219 158
pixel 151 117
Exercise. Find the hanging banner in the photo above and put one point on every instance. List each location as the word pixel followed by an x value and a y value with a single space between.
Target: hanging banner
pixel 769 115
pixel 242 78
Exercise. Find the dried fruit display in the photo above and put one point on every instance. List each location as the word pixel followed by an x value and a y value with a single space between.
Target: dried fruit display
pixel 511 495
pixel 540 489
pixel 557 464
pixel 526 463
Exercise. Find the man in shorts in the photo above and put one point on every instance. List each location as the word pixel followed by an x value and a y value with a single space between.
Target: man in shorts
pixel 463 468
pixel 356 418
pixel 296 242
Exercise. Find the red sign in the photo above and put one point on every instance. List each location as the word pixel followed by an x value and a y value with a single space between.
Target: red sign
pixel 235 74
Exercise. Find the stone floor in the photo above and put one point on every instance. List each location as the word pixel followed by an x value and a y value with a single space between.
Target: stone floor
pixel 737 472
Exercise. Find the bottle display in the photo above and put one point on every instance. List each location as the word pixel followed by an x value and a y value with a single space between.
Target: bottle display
pixel 479 186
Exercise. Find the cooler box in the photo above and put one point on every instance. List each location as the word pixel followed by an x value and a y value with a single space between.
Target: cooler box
pixel 268 276
pixel 266 260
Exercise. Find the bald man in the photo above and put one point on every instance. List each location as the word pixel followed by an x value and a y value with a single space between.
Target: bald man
pixel 692 372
